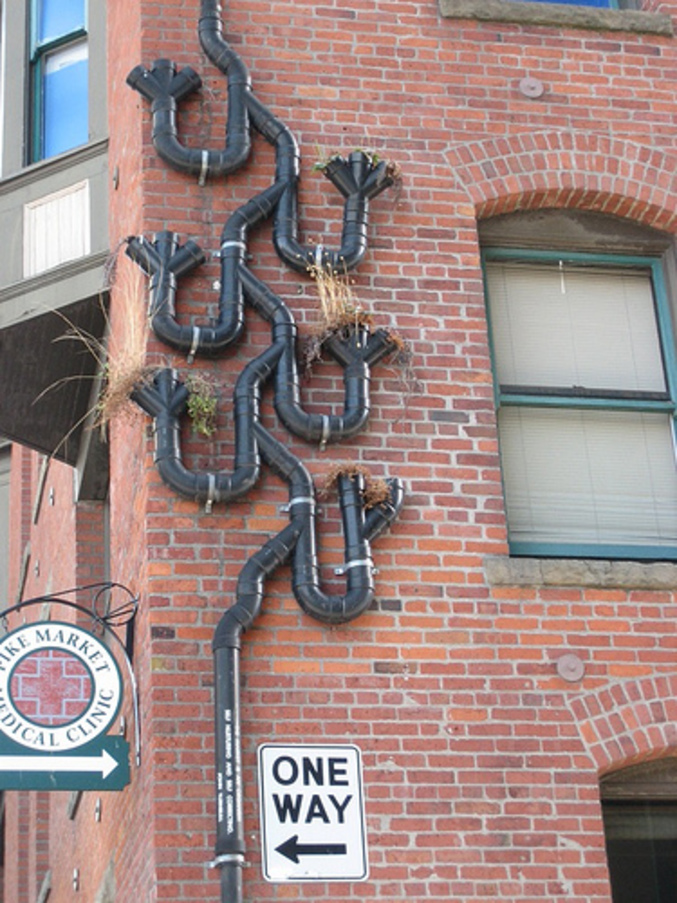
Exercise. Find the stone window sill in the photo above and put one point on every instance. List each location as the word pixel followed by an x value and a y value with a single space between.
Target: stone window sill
pixel 504 571
pixel 557 14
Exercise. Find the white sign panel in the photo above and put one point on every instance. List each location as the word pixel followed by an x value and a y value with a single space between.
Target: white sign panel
pixel 312 813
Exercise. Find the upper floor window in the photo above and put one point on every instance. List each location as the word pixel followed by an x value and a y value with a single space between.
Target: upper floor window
pixel 586 390
pixel 603 15
pixel 606 4
pixel 59 77
pixel 600 4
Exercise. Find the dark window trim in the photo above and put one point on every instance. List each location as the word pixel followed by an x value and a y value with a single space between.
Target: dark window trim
pixel 655 779
pixel 558 15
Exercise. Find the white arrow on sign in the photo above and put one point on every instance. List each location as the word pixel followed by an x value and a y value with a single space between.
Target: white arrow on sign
pixel 105 763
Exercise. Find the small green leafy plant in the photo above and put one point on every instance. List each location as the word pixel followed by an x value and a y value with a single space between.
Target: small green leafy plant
pixel 201 404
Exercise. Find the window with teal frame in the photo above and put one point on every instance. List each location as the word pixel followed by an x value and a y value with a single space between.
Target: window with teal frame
pixel 602 4
pixel 586 390
pixel 59 77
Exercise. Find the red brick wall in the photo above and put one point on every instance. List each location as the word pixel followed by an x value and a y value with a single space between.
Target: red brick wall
pixel 481 764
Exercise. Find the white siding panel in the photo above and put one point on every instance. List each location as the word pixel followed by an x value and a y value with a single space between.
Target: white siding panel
pixel 56 229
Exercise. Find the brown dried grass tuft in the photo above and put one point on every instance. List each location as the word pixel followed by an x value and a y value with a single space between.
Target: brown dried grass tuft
pixel 123 359
pixel 339 312
pixel 339 305
pixel 376 490
pixel 120 357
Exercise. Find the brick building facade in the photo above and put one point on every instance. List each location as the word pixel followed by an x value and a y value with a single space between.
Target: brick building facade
pixel 513 682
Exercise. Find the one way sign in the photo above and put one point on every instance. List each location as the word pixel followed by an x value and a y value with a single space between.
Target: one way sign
pixel 312 813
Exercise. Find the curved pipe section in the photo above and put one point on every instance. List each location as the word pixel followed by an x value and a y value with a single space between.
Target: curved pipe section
pixel 165 88
pixel 165 261
pixel 165 400
pixel 355 350
pixel 230 838
pixel 359 565
pixel 358 178
pixel 292 542
pixel 359 181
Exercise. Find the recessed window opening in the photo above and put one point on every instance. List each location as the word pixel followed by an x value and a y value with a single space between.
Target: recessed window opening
pixel 600 4
pixel 586 389
pixel 639 807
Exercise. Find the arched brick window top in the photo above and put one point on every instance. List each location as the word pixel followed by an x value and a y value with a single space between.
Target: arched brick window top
pixel 573 229
pixel 655 779
pixel 569 170
pixel 630 722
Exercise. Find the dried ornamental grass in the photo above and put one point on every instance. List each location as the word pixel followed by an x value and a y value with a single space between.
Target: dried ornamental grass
pixel 340 311
pixel 376 490
pixel 339 306
pixel 123 359
pixel 120 358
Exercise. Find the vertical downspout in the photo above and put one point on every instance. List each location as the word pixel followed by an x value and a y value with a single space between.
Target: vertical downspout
pixel 359 180
pixel 230 840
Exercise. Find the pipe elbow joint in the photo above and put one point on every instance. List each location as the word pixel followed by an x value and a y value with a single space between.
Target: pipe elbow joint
pixel 143 81
pixel 291 252
pixel 143 254
pixel 378 518
pixel 187 258
pixel 334 609
pixel 231 626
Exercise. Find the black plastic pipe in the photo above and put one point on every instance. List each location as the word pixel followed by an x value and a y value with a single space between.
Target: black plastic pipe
pixel 165 400
pixel 165 261
pixel 358 178
pixel 289 543
pixel 358 567
pixel 356 350
pixel 165 88
pixel 230 839
pixel 362 181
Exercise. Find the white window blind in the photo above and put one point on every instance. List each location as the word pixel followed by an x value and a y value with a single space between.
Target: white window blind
pixel 566 326
pixel 578 358
pixel 589 476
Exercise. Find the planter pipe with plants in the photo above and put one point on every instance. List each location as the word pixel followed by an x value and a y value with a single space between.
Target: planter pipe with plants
pixel 349 341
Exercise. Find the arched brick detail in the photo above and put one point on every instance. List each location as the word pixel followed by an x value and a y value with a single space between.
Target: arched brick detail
pixel 569 169
pixel 628 722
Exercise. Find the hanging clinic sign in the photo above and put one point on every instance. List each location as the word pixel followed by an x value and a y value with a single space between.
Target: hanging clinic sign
pixel 60 692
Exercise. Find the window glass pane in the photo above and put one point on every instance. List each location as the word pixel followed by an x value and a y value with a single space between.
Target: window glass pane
pixel 641 842
pixel 574 327
pixel 65 96
pixel 607 4
pixel 589 476
pixel 59 17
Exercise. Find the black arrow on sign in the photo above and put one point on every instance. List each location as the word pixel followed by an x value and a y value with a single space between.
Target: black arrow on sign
pixel 292 849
